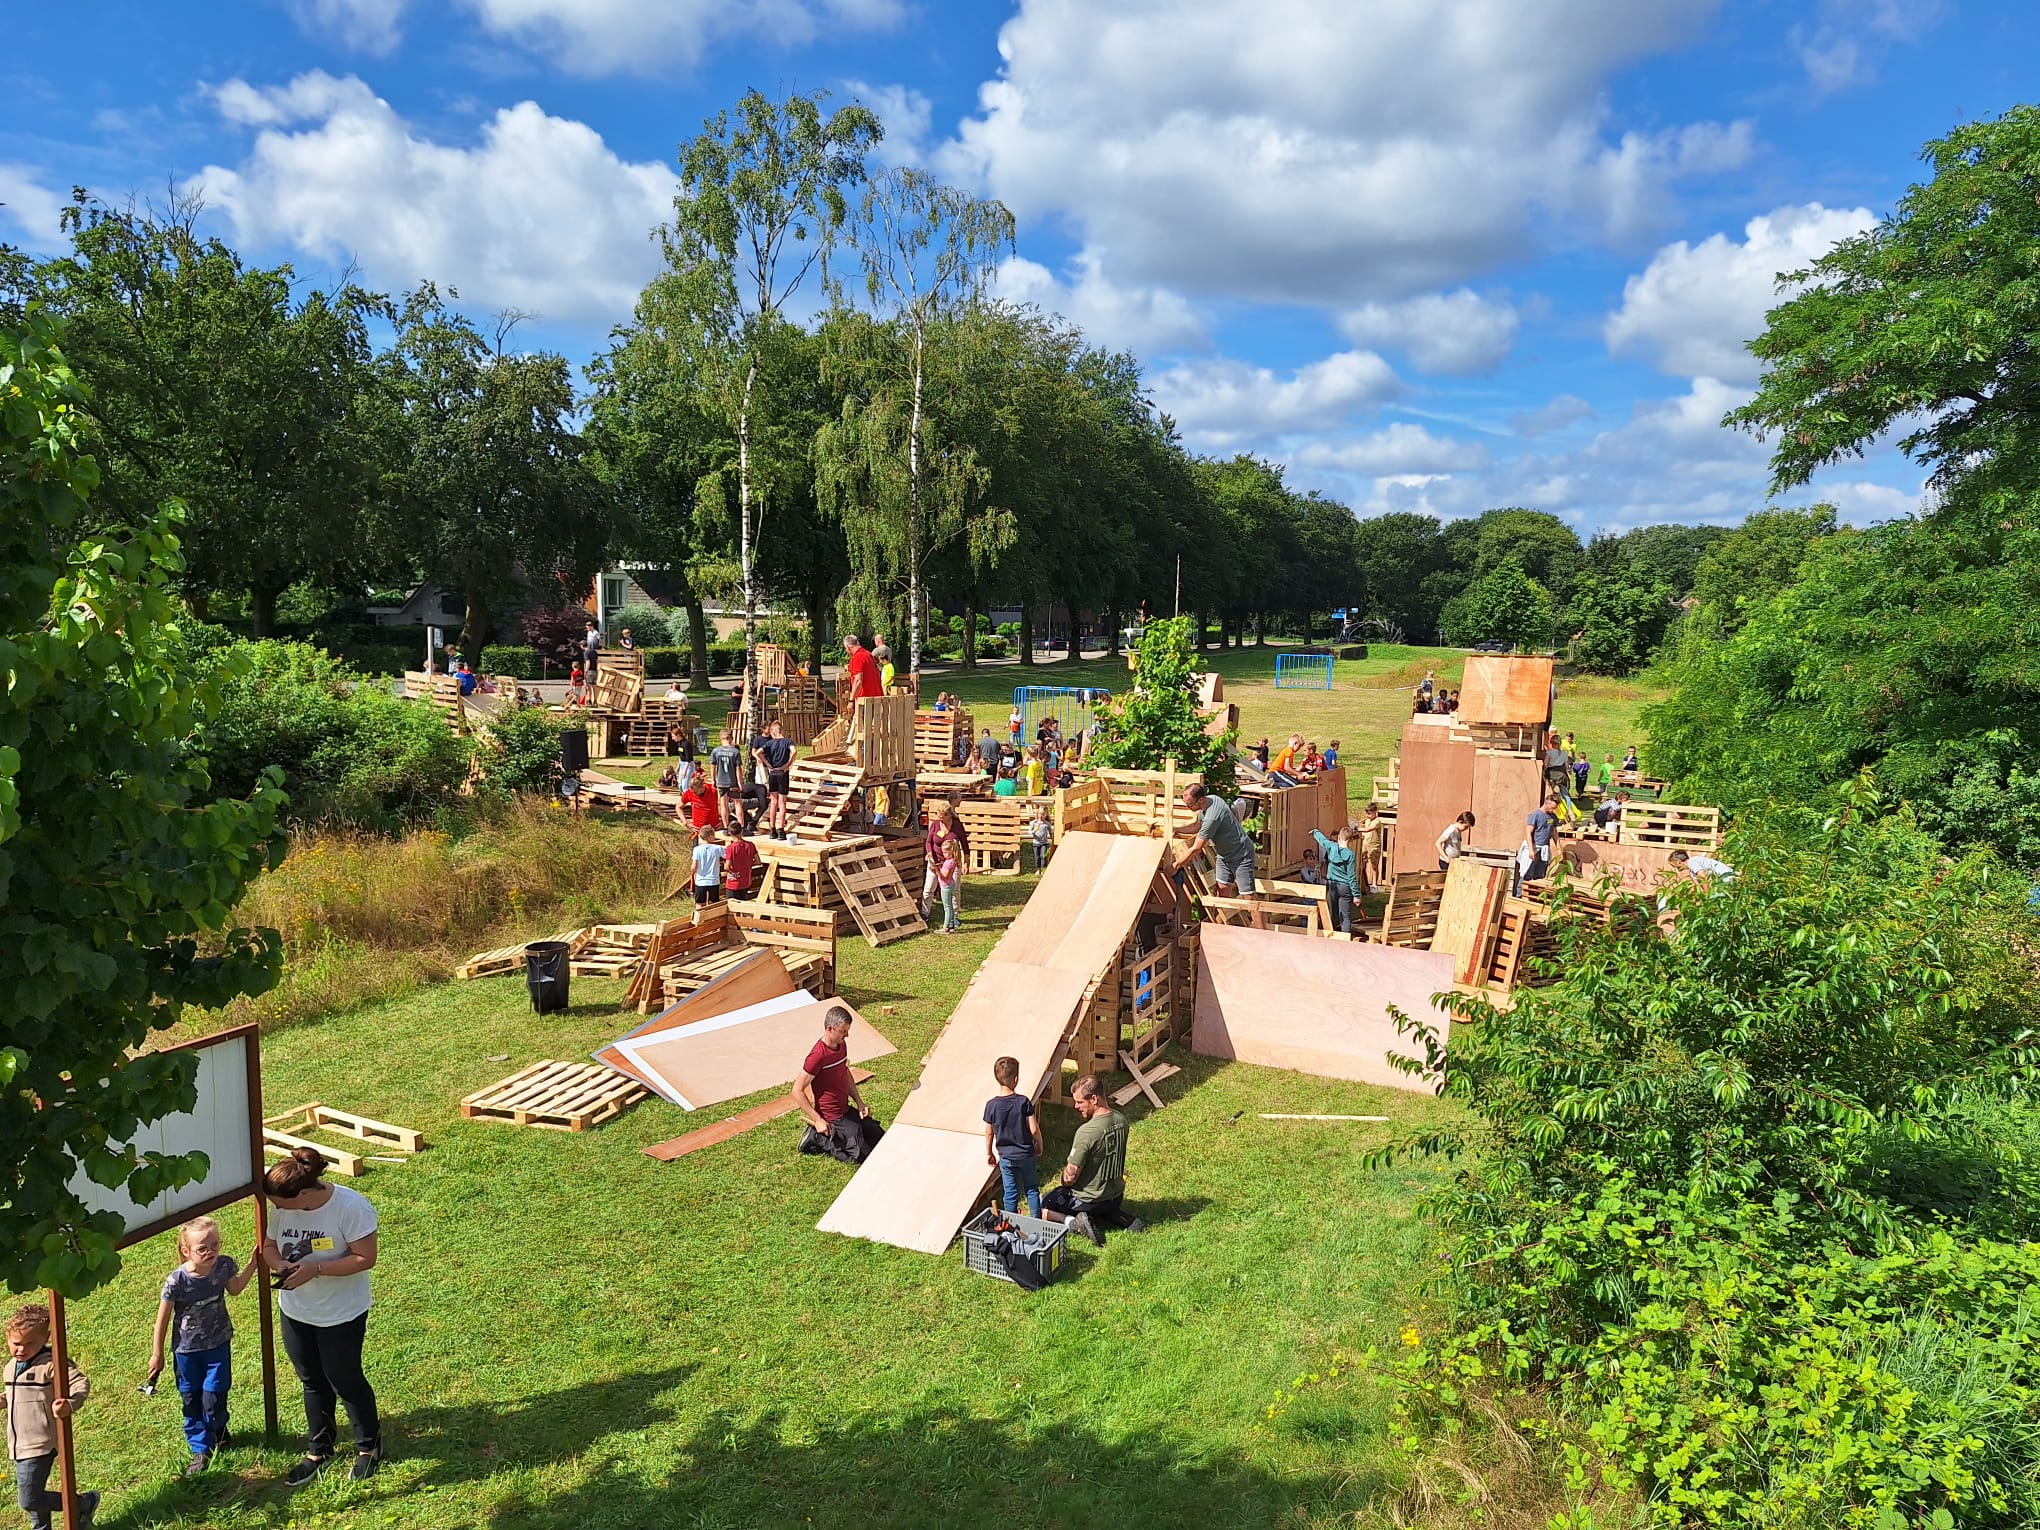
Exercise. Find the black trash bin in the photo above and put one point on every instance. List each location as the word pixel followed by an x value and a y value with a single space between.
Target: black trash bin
pixel 545 974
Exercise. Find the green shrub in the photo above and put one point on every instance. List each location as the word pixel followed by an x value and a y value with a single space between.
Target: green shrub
pixel 940 645
pixel 379 659
pixel 992 645
pixel 351 753
pixel 650 627
pixel 1010 631
pixel 523 751
pixel 517 659
pixel 665 663
pixel 726 657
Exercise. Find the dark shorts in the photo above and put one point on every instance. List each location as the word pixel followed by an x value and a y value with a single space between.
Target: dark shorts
pixel 777 782
pixel 1106 1213
pixel 712 893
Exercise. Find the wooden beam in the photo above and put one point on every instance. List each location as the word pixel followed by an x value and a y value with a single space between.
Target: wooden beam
pixel 736 1125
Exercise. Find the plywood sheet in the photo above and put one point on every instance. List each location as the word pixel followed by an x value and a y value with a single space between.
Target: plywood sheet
pixel 1316 1006
pixel 1501 689
pixel 1467 915
pixel 1008 1011
pixel 736 1125
pixel 1435 786
pixel 761 977
pixel 917 1188
pixel 1640 867
pixel 728 1056
pixel 1506 789
pixel 1085 904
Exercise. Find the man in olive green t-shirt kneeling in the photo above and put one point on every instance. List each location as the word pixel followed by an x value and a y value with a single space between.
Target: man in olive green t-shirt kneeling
pixel 1092 1194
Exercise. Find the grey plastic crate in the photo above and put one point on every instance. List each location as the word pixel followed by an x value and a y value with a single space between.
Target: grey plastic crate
pixel 976 1256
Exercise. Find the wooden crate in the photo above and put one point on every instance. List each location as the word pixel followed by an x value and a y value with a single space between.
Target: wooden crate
pixel 996 828
pixel 560 1096
pixel 1670 826
pixel 882 737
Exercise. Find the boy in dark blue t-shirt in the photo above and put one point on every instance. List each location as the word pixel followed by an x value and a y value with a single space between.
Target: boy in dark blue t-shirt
pixel 1013 1139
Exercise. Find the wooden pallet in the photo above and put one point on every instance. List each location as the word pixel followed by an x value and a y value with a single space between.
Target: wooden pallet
pixel 506 959
pixel 874 896
pixel 995 828
pixel 882 737
pixel 1411 918
pixel 819 792
pixel 318 1117
pixel 1670 826
pixel 560 1096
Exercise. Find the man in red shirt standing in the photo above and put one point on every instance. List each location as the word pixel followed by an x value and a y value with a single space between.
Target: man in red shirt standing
pixel 826 1094
pixel 864 676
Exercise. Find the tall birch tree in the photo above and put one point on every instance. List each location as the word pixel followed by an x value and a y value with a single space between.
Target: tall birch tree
pixel 762 203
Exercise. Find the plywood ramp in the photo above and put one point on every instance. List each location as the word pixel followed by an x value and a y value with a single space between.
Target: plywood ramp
pixel 925 1177
pixel 1315 1006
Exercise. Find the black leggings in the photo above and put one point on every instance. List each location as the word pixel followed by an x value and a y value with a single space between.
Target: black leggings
pixel 328 1363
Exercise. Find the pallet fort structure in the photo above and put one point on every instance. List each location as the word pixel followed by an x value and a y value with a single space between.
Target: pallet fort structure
pixel 624 719
pixel 1486 758
pixel 1288 814
pixel 1090 973
pixel 1303 672
pixel 784 693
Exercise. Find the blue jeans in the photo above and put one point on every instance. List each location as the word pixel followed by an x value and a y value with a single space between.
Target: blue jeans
pixel 950 921
pixel 1016 1175
pixel 203 1377
pixel 1040 856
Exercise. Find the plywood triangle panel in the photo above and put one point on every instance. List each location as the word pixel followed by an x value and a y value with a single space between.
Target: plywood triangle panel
pixel 1316 1006
pixel 726 1057
pixel 918 1186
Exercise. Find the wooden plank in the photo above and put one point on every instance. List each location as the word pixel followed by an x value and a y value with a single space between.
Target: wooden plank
pixel 1125 1094
pixel 1467 911
pixel 363 1129
pixel 284 1144
pixel 1283 1115
pixel 872 892
pixel 1141 1081
pixel 736 1125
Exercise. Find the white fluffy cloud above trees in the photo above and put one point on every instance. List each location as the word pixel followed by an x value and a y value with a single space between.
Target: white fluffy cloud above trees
pixel 642 36
pixel 539 214
pixel 1694 308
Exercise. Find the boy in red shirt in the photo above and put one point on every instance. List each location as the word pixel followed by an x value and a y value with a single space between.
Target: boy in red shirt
pixel 739 865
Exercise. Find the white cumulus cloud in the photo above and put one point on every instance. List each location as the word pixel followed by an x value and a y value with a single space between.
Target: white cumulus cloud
pixel 1224 404
pixel 1149 320
pixel 1400 449
pixel 1566 409
pixel 1328 155
pixel 30 209
pixel 1457 334
pixel 643 36
pixel 540 214
pixel 367 26
pixel 1693 308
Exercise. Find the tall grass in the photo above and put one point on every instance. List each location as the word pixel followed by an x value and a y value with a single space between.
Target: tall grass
pixel 365 917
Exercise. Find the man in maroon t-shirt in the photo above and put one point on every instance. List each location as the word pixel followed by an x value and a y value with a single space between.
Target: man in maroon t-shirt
pixel 826 1093
pixel 864 676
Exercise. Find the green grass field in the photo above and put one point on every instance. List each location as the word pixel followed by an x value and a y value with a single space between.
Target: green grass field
pixel 568 1333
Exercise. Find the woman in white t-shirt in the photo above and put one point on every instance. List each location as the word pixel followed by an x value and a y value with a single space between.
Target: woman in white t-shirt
pixel 322 1244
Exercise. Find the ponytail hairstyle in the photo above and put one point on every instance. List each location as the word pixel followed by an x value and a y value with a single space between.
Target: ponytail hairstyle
pixel 293 1176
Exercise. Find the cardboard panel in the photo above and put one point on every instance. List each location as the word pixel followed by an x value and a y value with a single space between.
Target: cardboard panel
pixel 1316 1006
pixel 725 1057
pixel 1435 787
pixel 1499 688
pixel 1008 1011
pixel 915 1190
pixel 1506 789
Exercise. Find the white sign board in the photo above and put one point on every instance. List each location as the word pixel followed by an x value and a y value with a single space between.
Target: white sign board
pixel 218 1126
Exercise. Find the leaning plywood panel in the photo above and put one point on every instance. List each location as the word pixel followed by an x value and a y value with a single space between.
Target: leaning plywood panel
pixel 1435 786
pixel 1506 790
pixel 758 978
pixel 1501 689
pixel 1316 1006
pixel 1085 905
pixel 1008 1011
pixel 1636 868
pixel 726 1057
pixel 916 1189
pixel 1468 915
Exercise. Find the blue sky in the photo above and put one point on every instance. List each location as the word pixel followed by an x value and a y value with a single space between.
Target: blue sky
pixel 1429 254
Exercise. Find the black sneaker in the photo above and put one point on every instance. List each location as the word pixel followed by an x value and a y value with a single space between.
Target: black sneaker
pixel 365 1463
pixel 306 1470
pixel 1135 1224
pixel 1082 1223
pixel 88 1508
pixel 197 1464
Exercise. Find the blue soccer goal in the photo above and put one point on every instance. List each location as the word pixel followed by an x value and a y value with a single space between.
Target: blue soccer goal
pixel 1303 672
pixel 1071 706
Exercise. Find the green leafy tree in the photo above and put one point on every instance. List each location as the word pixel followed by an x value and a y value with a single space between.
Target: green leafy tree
pixel 1503 605
pixel 761 204
pixel 1541 544
pixel 928 250
pixel 1618 622
pixel 1158 720
pixel 1398 554
pixel 1923 323
pixel 1669 555
pixel 119 866
pixel 1754 562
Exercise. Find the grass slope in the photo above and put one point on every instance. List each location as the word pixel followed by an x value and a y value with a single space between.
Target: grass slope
pixel 568 1333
